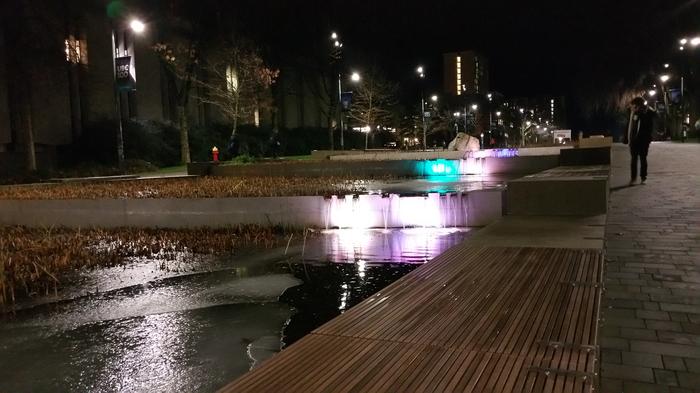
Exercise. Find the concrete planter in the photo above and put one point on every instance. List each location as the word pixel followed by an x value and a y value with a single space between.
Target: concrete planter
pixel 477 208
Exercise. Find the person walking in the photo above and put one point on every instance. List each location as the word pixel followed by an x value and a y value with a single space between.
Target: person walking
pixel 639 133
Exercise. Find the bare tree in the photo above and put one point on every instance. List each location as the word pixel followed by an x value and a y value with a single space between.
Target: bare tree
pixel 372 102
pixel 181 63
pixel 236 80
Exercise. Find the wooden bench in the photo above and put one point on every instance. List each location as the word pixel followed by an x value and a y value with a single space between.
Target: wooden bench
pixel 475 319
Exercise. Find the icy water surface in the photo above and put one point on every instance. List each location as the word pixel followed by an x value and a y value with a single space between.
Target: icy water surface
pixel 194 329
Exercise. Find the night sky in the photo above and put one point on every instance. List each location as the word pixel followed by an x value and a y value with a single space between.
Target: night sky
pixel 580 49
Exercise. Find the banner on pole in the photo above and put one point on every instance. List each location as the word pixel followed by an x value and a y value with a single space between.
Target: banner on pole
pixel 124 76
pixel 346 100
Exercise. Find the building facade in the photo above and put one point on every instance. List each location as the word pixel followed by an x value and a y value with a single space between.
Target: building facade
pixel 57 78
pixel 465 73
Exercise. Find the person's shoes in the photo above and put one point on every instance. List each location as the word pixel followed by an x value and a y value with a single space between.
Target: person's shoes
pixel 632 181
pixel 644 181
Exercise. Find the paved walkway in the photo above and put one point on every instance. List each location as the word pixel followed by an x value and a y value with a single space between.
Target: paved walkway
pixel 650 335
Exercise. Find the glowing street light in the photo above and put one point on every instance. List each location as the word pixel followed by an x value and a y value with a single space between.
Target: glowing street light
pixel 334 36
pixel 419 71
pixel 498 114
pixel 695 41
pixel 475 107
pixel 664 78
pixel 666 65
pixel 683 41
pixel 434 98
pixel 456 114
pixel 652 93
pixel 137 26
pixel 521 110
pixel 355 77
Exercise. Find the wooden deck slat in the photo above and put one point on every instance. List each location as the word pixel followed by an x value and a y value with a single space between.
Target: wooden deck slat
pixel 474 319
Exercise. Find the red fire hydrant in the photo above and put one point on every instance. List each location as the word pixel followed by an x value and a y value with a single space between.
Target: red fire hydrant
pixel 215 153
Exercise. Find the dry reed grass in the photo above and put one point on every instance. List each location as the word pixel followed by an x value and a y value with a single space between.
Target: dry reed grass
pixel 201 187
pixel 32 261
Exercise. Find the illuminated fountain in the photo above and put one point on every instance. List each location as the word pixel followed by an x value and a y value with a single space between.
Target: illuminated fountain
pixel 433 210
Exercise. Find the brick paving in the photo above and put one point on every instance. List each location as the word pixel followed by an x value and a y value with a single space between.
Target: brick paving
pixel 650 322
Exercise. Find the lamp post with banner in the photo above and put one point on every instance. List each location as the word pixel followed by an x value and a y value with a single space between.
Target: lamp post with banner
pixel 124 77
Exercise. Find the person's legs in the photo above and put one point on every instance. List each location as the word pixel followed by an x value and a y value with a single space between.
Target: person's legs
pixel 643 151
pixel 633 163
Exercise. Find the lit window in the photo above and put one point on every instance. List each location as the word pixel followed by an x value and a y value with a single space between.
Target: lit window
pixel 76 50
pixel 552 109
pixel 231 79
pixel 459 75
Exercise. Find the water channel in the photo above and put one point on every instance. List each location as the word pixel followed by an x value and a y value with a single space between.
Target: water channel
pixel 140 329
pixel 207 320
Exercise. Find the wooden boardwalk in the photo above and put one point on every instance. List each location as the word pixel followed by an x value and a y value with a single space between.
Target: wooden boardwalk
pixel 475 319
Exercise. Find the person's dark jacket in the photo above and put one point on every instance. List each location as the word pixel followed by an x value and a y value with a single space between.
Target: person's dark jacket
pixel 642 127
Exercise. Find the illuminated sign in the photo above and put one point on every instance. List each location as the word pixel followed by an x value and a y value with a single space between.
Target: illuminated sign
pixel 497 153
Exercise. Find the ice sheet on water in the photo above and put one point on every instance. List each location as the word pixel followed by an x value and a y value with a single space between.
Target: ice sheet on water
pixel 173 295
pixel 190 351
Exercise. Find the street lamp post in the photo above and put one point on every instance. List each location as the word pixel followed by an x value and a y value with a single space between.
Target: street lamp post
pixel 340 112
pixel 137 27
pixel 336 54
pixel 684 42
pixel 457 116
pixel 665 78
pixel 490 98
pixel 421 75
pixel 354 77
pixel 522 127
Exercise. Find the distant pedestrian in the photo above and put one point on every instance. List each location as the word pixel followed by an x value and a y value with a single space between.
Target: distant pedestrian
pixel 274 144
pixel 638 136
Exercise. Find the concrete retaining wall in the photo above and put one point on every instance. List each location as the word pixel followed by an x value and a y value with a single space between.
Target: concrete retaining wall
pixel 476 208
pixel 586 156
pixel 562 191
pixel 370 168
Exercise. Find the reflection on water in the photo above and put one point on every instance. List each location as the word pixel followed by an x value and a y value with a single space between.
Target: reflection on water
pixel 189 351
pixel 349 266
pixel 411 245
pixel 198 331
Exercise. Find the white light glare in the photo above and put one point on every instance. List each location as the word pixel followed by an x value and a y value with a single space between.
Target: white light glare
pixel 137 26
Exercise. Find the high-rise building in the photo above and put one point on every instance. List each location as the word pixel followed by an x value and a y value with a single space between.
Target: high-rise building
pixel 465 72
